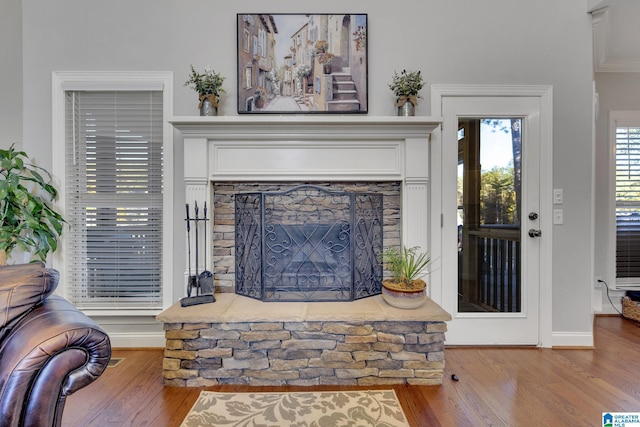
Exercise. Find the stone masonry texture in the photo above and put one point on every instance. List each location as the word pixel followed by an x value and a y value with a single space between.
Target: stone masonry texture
pixel 223 235
pixel 304 353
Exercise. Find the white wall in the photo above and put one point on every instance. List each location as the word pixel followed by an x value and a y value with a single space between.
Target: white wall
pixel 455 41
pixel 11 73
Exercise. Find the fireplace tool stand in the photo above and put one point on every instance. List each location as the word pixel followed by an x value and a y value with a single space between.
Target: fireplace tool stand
pixel 201 283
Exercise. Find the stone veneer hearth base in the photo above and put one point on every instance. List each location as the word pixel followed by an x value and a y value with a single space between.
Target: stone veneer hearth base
pixel 238 340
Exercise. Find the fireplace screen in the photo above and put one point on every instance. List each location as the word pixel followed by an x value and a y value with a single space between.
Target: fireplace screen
pixel 308 244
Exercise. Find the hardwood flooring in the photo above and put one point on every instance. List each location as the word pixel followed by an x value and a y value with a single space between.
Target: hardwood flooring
pixel 497 387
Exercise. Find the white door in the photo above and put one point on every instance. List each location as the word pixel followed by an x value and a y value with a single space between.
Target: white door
pixel 494 227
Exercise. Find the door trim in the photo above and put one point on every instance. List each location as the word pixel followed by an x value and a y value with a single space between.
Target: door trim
pixel 545 95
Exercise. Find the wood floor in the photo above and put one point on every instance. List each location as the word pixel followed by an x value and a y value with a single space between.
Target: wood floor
pixel 496 387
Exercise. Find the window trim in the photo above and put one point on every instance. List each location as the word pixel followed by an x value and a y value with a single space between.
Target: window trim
pixel 116 80
pixel 616 118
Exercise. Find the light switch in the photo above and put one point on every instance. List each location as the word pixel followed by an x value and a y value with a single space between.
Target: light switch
pixel 558 196
pixel 558 216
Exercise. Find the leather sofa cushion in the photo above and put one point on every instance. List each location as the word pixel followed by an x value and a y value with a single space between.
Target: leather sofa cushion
pixel 22 287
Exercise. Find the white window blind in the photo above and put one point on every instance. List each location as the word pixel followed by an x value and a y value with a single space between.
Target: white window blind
pixel 114 185
pixel 628 203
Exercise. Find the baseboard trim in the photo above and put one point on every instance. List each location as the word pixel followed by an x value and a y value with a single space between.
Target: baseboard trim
pixel 129 340
pixel 157 340
pixel 572 340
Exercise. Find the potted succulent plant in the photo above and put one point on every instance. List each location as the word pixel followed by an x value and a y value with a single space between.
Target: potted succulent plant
pixel 405 288
pixel 406 86
pixel 209 87
pixel 27 219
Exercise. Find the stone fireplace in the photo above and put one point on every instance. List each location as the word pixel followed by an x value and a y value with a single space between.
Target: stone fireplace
pixel 265 149
pixel 239 340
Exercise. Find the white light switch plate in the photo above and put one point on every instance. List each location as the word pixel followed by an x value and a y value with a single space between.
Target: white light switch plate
pixel 558 196
pixel 558 216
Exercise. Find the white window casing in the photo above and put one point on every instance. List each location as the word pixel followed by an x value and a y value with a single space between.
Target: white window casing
pixel 118 204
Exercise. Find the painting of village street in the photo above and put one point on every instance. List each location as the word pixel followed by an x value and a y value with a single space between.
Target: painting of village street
pixel 302 64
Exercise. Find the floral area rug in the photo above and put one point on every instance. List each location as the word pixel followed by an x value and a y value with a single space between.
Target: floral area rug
pixel 379 408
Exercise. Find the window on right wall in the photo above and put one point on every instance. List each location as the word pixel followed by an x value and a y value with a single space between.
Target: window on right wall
pixel 625 134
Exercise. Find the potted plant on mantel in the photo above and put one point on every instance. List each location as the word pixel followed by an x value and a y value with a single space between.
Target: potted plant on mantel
pixel 209 87
pixel 405 289
pixel 27 220
pixel 406 86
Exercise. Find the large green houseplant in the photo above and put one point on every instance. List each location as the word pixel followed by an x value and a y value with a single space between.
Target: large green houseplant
pixel 27 218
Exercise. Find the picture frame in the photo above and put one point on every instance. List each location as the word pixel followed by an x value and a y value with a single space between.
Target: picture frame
pixel 302 63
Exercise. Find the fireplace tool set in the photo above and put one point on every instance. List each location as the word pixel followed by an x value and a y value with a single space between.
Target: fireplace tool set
pixel 201 284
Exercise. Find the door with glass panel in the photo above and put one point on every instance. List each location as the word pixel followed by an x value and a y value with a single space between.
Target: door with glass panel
pixel 489 190
pixel 494 296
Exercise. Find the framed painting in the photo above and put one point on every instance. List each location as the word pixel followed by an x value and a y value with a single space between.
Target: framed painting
pixel 302 63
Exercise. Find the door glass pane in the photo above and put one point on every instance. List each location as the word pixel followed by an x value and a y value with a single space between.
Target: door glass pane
pixel 489 173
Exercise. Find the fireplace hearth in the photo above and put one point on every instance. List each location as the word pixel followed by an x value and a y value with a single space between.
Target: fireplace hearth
pixel 308 244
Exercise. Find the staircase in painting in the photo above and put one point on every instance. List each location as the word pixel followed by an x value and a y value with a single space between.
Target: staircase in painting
pixel 345 95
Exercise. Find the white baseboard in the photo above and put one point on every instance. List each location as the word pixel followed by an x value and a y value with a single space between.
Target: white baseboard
pixel 572 339
pixel 157 340
pixel 137 340
pixel 132 331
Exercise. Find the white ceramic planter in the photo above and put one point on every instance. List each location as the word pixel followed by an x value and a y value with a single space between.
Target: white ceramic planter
pixel 406 299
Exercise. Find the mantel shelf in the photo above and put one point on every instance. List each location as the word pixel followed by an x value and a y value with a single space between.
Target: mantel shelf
pixel 278 125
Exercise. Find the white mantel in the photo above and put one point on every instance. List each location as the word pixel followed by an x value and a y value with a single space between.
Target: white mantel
pixel 321 148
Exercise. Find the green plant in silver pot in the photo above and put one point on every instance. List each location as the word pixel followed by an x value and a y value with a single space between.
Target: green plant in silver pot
pixel 406 87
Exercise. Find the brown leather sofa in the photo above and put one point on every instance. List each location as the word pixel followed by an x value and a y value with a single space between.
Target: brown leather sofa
pixel 48 348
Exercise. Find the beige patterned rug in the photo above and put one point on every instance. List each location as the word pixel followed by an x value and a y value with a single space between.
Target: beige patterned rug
pixel 379 408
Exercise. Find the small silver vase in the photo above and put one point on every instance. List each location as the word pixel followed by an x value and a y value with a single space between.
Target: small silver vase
pixel 208 109
pixel 408 109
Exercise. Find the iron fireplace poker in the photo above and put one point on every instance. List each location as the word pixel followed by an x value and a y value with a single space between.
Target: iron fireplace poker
pixel 205 279
pixel 194 281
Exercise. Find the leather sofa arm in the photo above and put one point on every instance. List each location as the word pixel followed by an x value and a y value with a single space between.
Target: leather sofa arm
pixel 50 353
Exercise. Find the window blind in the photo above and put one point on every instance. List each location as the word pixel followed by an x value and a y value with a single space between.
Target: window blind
pixel 628 203
pixel 114 184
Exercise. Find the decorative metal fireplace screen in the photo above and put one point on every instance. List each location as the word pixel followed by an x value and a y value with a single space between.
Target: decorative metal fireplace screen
pixel 308 244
